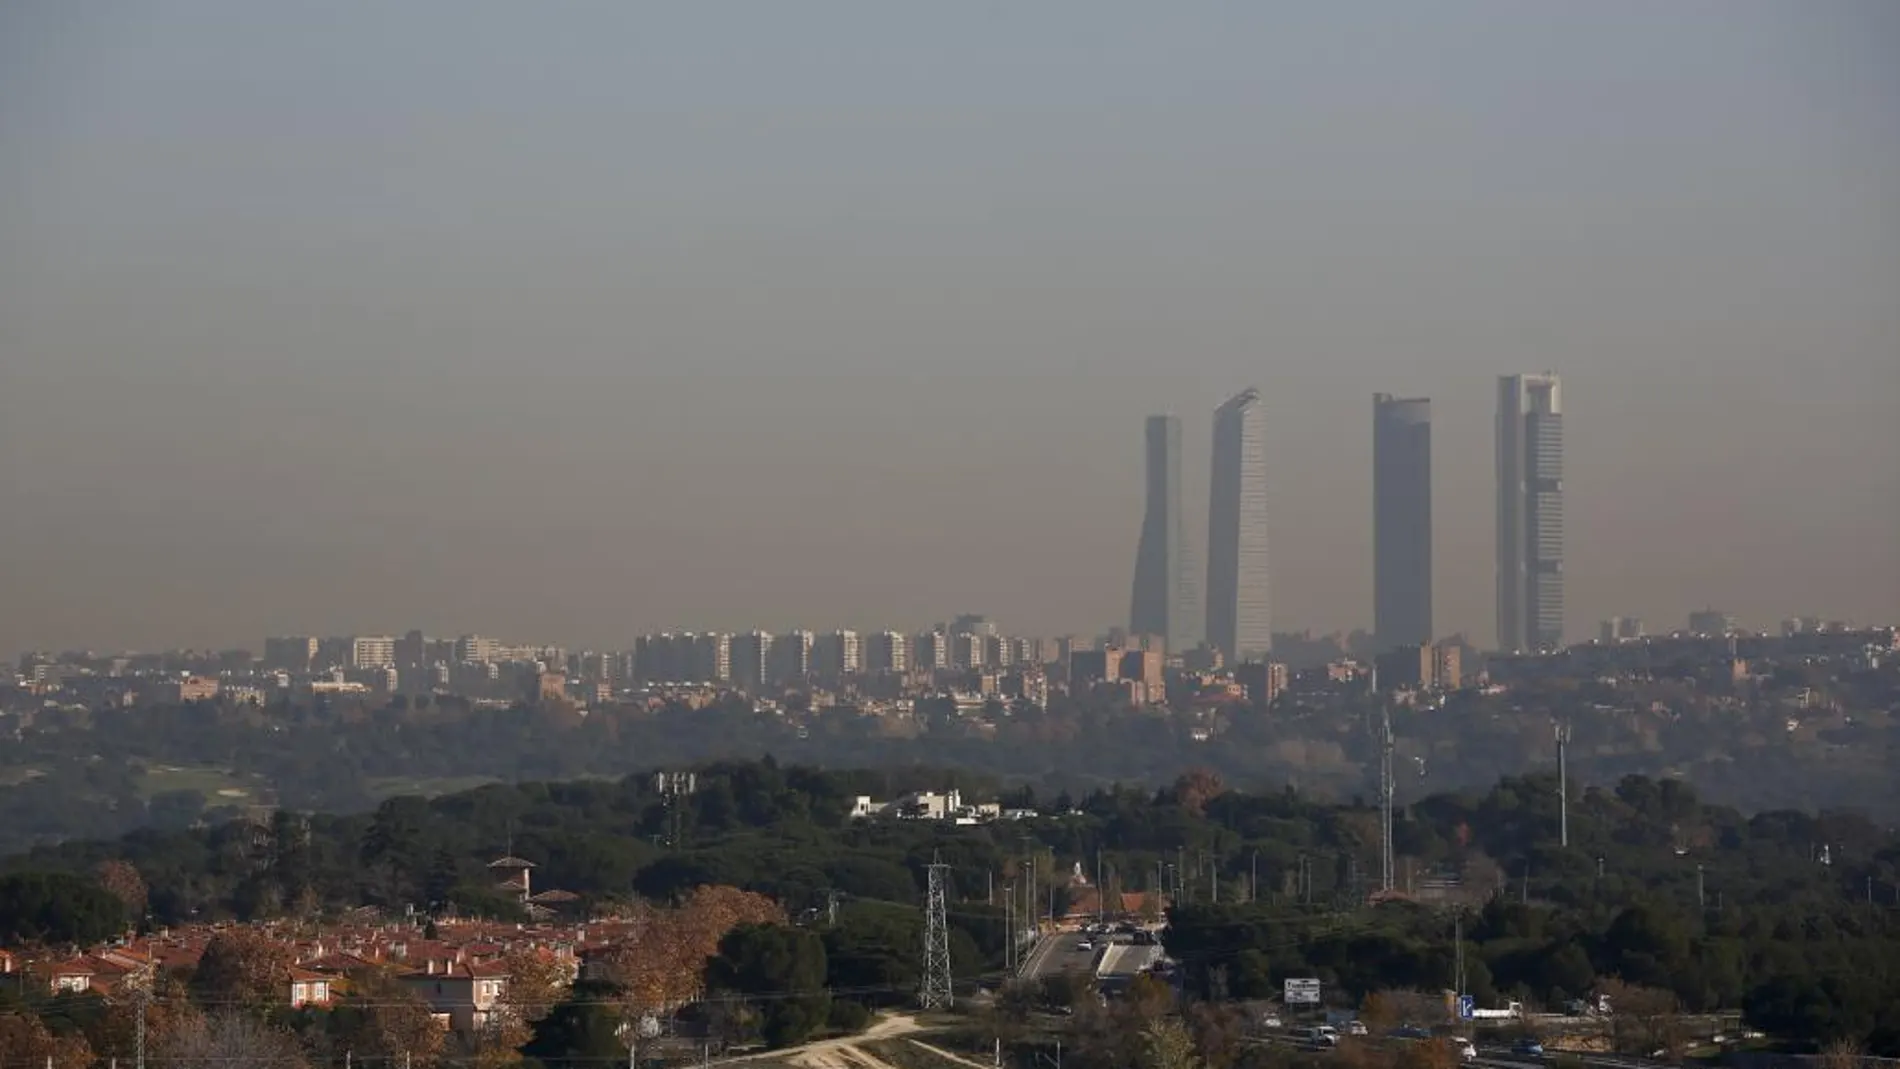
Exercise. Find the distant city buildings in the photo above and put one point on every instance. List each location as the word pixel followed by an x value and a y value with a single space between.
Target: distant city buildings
pixel 1165 600
pixel 1711 622
pixel 1620 629
pixel 1239 609
pixel 1401 520
pixel 1530 514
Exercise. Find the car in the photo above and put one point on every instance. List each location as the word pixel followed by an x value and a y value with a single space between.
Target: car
pixel 1528 1047
pixel 1272 1020
pixel 1356 1028
pixel 1083 946
pixel 1467 1050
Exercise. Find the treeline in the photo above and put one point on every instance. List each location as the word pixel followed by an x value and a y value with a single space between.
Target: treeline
pixel 68 773
pixel 1790 916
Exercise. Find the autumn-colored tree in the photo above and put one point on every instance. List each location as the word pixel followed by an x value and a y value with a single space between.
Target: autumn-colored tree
pixel 1382 1011
pixel 664 965
pixel 1645 1021
pixel 168 1012
pixel 1195 788
pixel 1166 1044
pixel 242 967
pixel 1219 1032
pixel 231 1038
pixel 1843 1054
pixel 1436 1053
pixel 383 1020
pixel 25 1041
pixel 122 879
pixel 537 981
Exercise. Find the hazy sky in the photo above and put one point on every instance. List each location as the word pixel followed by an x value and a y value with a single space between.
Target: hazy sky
pixel 573 320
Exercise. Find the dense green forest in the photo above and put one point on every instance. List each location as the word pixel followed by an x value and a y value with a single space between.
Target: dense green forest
pixel 1788 916
pixel 73 773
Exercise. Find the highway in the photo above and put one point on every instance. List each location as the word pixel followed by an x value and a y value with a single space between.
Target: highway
pixel 1056 953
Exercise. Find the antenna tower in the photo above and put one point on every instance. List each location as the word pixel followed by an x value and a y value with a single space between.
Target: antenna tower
pixel 936 994
pixel 1563 784
pixel 1387 786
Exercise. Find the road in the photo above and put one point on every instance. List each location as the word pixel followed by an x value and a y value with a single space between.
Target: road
pixel 1056 953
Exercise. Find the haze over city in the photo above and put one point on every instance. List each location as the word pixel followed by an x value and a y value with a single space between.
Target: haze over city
pixel 577 322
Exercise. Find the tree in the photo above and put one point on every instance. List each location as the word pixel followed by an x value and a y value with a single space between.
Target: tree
pixel 1166 1044
pixel 25 1041
pixel 785 963
pixel 876 951
pixel 582 1030
pixel 1645 1021
pixel 1219 1033
pixel 383 1020
pixel 242 967
pixel 55 907
pixel 122 880
pixel 229 1039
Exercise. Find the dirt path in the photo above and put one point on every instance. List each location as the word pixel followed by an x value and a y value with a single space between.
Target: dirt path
pixel 841 1053
pixel 958 1058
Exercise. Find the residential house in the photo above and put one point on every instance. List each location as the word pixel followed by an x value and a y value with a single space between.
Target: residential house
pixel 309 988
pixel 461 995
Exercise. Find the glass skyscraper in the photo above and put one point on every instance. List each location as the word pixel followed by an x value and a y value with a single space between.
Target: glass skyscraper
pixel 1401 520
pixel 1165 599
pixel 1530 577
pixel 1239 612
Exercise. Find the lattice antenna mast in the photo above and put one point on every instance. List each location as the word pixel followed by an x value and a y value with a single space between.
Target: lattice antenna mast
pixel 936 993
pixel 1388 786
pixel 1563 784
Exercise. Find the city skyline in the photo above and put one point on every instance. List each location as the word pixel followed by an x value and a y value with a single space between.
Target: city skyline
pixel 627 319
pixel 1239 589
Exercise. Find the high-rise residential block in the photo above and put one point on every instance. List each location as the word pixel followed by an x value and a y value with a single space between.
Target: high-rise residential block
pixel 888 651
pixel 751 659
pixel 932 651
pixel 1530 513
pixel 967 649
pixel 1401 520
pixel 475 649
pixel 290 653
pixel 712 657
pixel 792 656
pixel 373 651
pixel 839 654
pixel 1239 611
pixel 1165 600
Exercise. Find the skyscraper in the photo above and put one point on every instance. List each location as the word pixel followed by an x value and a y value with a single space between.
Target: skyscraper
pixel 1530 513
pixel 1401 520
pixel 1165 600
pixel 1239 616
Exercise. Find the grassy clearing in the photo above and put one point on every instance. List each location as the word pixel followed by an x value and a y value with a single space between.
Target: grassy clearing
pixel 428 787
pixel 216 784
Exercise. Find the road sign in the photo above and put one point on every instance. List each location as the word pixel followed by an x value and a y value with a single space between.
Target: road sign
pixel 1466 1006
pixel 1302 992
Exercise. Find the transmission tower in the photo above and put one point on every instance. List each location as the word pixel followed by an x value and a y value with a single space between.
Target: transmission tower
pixel 936 994
pixel 1387 787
